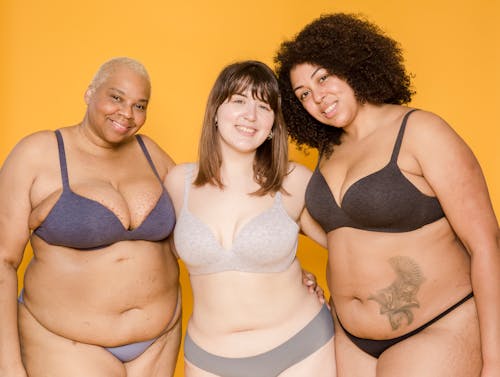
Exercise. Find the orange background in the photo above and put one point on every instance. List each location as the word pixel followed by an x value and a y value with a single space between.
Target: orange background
pixel 50 50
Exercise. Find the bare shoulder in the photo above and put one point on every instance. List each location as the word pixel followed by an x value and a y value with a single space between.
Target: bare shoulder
pixel 175 182
pixel 163 162
pixel 37 141
pixel 426 128
pixel 178 173
pixel 298 172
pixel 434 143
pixel 295 182
pixel 33 150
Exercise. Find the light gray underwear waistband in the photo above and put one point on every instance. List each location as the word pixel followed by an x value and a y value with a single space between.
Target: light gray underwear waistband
pixel 271 363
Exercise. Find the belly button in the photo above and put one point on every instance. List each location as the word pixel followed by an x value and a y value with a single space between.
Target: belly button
pixel 358 299
pixel 129 310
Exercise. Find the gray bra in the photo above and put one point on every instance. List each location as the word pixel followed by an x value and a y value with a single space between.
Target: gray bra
pixel 266 243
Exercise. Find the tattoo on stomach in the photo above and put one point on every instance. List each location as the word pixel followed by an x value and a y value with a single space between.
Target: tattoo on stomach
pixel 398 300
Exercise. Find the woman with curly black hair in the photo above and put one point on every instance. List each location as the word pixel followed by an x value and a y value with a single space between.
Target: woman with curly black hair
pixel 414 259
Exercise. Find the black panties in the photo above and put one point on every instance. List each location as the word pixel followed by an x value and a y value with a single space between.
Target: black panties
pixel 377 347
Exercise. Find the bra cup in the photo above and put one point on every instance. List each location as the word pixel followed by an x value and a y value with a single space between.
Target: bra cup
pixel 384 201
pixel 81 223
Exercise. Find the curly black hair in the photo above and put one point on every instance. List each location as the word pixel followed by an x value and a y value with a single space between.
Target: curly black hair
pixel 352 48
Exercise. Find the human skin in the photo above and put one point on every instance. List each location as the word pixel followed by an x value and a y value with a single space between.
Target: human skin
pixel 385 285
pixel 78 302
pixel 268 308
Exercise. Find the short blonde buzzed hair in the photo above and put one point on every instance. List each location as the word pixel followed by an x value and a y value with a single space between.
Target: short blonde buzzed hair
pixel 110 66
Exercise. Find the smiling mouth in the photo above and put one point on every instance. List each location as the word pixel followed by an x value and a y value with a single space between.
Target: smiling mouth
pixel 119 125
pixel 246 130
pixel 329 109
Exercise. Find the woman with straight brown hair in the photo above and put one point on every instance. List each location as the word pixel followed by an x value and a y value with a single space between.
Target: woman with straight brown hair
pixel 239 212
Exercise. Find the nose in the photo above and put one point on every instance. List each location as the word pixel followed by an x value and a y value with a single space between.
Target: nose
pixel 126 110
pixel 317 95
pixel 251 112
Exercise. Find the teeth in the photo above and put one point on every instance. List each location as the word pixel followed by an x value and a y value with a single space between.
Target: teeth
pixel 329 108
pixel 118 124
pixel 246 129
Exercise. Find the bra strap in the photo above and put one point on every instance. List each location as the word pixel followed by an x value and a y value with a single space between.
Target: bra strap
pixel 188 181
pixel 62 160
pixel 399 139
pixel 148 156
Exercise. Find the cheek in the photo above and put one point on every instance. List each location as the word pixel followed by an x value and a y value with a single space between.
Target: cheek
pixel 311 108
pixel 139 118
pixel 222 113
pixel 105 107
pixel 269 121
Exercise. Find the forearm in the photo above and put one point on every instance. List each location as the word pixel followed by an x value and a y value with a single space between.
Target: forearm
pixel 10 353
pixel 486 286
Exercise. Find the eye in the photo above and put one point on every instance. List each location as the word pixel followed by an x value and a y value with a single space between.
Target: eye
pixel 264 106
pixel 323 78
pixel 303 96
pixel 140 107
pixel 116 97
pixel 237 99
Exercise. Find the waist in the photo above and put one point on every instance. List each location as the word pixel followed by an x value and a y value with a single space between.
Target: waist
pixel 252 341
pixel 81 296
pixel 385 285
pixel 107 329
pixel 247 302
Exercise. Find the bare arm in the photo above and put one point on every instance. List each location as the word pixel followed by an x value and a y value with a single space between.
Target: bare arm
pixel 16 179
pixel 456 177
pixel 162 161
pixel 174 183
pixel 312 229
pixel 295 185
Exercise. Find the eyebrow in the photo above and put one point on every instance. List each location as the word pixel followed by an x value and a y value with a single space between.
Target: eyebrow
pixel 312 75
pixel 123 93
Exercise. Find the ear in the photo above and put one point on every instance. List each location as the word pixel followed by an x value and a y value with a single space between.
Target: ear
pixel 88 95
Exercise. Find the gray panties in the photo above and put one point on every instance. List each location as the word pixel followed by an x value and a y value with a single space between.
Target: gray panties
pixel 271 363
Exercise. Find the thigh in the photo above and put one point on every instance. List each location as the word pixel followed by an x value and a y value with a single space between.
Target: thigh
pixel 160 359
pixel 350 360
pixel 47 354
pixel 321 363
pixel 450 347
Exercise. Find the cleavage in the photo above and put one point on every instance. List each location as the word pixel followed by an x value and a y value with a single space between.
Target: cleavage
pixel 339 191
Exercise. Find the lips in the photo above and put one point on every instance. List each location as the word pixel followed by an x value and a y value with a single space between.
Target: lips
pixel 246 130
pixel 120 126
pixel 330 110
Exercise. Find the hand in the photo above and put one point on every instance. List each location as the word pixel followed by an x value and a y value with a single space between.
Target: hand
pixel 309 280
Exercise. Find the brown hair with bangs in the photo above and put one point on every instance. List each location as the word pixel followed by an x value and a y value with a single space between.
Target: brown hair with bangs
pixel 271 158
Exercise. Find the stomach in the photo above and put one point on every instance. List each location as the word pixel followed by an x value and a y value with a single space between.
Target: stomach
pixel 236 314
pixel 384 285
pixel 124 293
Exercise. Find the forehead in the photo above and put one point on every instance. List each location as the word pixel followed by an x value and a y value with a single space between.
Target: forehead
pixel 127 81
pixel 303 72
pixel 250 89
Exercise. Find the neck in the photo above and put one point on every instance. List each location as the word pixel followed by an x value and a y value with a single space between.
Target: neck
pixel 237 168
pixel 368 118
pixel 92 142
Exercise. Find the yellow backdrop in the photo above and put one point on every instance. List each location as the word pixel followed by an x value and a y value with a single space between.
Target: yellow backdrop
pixel 50 50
